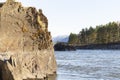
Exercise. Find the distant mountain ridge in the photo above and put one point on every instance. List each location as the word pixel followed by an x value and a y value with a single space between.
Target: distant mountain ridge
pixel 60 38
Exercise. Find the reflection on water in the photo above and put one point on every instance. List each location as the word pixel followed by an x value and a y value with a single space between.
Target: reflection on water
pixel 52 77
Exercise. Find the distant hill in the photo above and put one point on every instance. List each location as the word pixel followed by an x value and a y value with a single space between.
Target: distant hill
pixel 61 38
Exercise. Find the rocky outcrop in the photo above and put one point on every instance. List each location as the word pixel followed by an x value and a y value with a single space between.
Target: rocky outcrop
pixel 61 46
pixel 26 49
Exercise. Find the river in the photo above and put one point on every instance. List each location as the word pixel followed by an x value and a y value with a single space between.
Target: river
pixel 88 65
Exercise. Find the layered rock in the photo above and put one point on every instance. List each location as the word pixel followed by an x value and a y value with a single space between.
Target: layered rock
pixel 26 49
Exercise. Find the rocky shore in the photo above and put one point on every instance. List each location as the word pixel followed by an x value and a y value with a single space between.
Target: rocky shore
pixel 61 46
pixel 72 47
pixel 111 46
pixel 26 48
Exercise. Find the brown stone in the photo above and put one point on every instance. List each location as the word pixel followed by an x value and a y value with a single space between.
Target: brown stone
pixel 26 48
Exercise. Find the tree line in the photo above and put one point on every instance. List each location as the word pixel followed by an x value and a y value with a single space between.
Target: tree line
pixel 101 34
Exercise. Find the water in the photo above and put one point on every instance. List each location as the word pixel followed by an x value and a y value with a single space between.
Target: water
pixel 88 65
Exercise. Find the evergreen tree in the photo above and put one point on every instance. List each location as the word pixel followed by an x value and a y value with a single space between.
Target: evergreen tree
pixel 102 34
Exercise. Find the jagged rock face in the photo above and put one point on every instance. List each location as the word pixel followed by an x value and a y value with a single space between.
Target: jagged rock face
pixel 26 49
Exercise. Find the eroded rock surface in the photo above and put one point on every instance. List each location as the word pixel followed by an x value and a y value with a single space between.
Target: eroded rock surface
pixel 26 49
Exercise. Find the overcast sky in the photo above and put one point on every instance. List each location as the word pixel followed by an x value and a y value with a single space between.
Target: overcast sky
pixel 66 16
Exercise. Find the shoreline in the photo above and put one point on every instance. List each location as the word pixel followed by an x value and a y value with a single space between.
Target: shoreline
pixel 73 47
pixel 109 46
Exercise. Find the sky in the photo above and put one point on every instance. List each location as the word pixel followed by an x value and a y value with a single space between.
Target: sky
pixel 66 16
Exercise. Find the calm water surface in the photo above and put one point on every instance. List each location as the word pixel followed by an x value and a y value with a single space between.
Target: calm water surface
pixel 88 65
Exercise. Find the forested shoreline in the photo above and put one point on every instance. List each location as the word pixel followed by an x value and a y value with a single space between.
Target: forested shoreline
pixel 101 37
pixel 102 34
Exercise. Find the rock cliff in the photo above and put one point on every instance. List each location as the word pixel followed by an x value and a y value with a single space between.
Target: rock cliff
pixel 26 49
